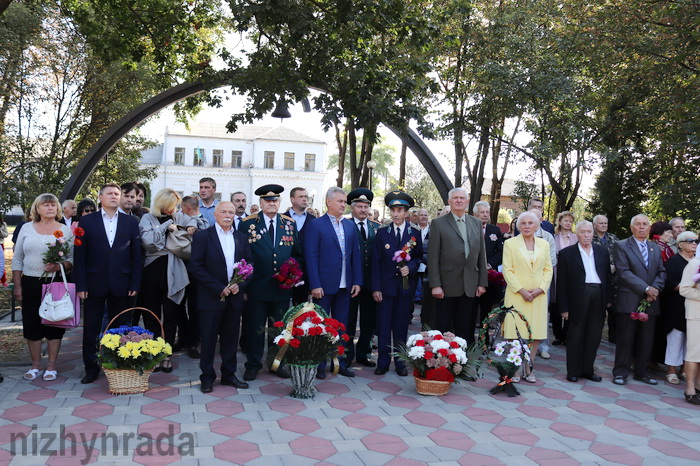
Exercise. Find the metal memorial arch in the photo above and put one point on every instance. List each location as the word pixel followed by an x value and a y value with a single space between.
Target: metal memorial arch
pixel 182 91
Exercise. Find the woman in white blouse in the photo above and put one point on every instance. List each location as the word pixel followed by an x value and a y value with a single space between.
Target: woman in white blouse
pixel 30 272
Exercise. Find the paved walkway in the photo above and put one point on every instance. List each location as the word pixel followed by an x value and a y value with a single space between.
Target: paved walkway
pixel 365 420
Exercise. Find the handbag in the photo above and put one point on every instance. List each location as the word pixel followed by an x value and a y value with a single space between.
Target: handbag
pixel 56 303
pixel 179 242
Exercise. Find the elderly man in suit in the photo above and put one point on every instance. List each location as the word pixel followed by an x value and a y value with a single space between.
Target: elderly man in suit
pixel 394 300
pixel 215 251
pixel 273 241
pixel 300 202
pixel 107 270
pixel 584 291
pixel 457 266
pixel 360 201
pixel 641 275
pixel 334 264
pixel 493 241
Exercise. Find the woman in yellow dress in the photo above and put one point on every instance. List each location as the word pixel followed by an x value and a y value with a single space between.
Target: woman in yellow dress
pixel 527 269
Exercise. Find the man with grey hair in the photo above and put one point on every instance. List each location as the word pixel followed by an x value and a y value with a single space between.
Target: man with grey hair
pixel 70 210
pixel 678 226
pixel 583 291
pixel 493 240
pixel 457 267
pixel 606 239
pixel 641 277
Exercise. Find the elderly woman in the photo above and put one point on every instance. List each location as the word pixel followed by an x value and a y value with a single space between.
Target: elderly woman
pixel 674 304
pixel 164 274
pixel 563 238
pixel 662 233
pixel 689 288
pixel 30 272
pixel 527 269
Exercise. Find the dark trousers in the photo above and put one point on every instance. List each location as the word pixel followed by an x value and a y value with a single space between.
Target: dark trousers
pixel 154 286
pixel 337 306
pixel 457 315
pixel 634 339
pixel 188 333
pixel 222 325
pixel 365 305
pixel 300 294
pixel 258 315
pixel 584 333
pixel 612 325
pixel 427 307
pixel 93 312
pixel 560 327
pixel 392 322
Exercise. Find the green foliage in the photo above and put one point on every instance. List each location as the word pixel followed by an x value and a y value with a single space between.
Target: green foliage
pixel 421 188
pixel 383 155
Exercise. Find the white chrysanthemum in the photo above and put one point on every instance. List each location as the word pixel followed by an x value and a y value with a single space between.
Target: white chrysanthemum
pixel 460 341
pixel 439 344
pixel 498 351
pixel 461 355
pixel 432 333
pixel 413 339
pixel 416 352
pixel 305 326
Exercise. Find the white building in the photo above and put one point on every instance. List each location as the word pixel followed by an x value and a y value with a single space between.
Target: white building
pixel 242 161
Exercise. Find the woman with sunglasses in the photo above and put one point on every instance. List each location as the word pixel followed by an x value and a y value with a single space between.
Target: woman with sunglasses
pixel 675 324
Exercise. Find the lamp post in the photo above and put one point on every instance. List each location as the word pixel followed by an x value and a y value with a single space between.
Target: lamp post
pixel 371 164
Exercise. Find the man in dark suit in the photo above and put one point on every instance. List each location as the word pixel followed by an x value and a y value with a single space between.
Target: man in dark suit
pixel 641 275
pixel 394 300
pixel 457 267
pixel 107 270
pixel 360 201
pixel 273 241
pixel 300 201
pixel 493 241
pixel 214 253
pixel 334 264
pixel 239 201
pixel 537 204
pixel 583 292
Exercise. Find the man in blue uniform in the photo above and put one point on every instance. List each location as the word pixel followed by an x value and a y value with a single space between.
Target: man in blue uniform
pixel 273 240
pixel 389 279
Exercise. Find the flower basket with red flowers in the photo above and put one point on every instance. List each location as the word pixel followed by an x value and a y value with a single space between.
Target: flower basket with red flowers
pixel 307 337
pixel 290 274
pixel 438 357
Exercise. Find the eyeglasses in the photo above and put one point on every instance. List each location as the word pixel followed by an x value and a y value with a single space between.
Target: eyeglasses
pixel 87 211
pixel 691 241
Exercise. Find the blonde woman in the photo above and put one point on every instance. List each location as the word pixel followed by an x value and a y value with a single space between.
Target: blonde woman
pixel 164 274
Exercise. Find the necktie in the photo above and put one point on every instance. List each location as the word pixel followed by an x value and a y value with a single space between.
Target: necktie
pixel 271 231
pixel 362 231
pixel 238 222
pixel 463 230
pixel 645 253
pixel 398 234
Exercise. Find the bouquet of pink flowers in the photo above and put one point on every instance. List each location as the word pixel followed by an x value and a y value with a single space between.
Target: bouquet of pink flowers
pixel 402 256
pixel 241 272
pixel 641 313
pixel 437 356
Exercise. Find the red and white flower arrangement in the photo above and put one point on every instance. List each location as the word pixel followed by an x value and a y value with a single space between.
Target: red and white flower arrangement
pixel 290 274
pixel 242 270
pixel 436 356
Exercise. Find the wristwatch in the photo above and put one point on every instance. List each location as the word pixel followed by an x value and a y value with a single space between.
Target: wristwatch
pixel 646 289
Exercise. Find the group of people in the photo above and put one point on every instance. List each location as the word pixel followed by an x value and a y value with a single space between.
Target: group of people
pixel 568 274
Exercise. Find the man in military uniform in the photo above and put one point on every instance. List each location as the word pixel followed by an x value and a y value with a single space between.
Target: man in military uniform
pixel 273 240
pixel 360 200
pixel 607 240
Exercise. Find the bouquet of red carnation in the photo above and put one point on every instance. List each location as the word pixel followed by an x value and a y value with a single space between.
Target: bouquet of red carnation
pixel 641 313
pixel 58 250
pixel 496 277
pixel 290 274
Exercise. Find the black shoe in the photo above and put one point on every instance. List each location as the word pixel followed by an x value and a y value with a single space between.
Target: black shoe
pixel 367 362
pixel 250 374
pixel 346 372
pixel 694 399
pixel 207 387
pixel 320 373
pixel 592 377
pixel 283 372
pixel 380 371
pixel 193 353
pixel 234 382
pixel 572 378
pixel 619 380
pixel 402 372
pixel 166 366
pixel 89 378
pixel 558 343
pixel 647 380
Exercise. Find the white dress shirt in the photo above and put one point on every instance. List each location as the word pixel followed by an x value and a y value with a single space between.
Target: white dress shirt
pixel 589 265
pixel 110 225
pixel 228 245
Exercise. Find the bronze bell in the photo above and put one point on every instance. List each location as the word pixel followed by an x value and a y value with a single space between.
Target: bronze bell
pixel 281 111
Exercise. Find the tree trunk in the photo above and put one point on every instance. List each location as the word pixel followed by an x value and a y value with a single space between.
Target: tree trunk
pixel 352 148
pixel 402 166
pixel 342 143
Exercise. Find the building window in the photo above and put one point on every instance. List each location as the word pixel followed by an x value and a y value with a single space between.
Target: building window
pixel 217 158
pixel 236 159
pixel 198 157
pixel 269 159
pixel 179 156
pixel 310 163
pixel 289 160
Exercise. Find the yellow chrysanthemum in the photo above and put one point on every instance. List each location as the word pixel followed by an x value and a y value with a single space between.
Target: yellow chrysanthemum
pixel 135 353
pixel 123 352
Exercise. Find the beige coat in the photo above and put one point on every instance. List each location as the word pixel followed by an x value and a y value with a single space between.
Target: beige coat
pixel 690 290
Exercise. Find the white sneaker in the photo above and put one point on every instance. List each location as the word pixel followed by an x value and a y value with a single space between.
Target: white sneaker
pixel 545 355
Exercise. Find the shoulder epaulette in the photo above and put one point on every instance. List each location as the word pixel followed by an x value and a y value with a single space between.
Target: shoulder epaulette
pixel 250 217
pixel 286 217
pixel 384 226
pixel 375 223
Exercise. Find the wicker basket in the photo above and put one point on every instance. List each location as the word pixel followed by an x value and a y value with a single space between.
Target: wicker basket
pixel 432 387
pixel 129 381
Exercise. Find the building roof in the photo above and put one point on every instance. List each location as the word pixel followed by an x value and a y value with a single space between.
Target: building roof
pixel 243 132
